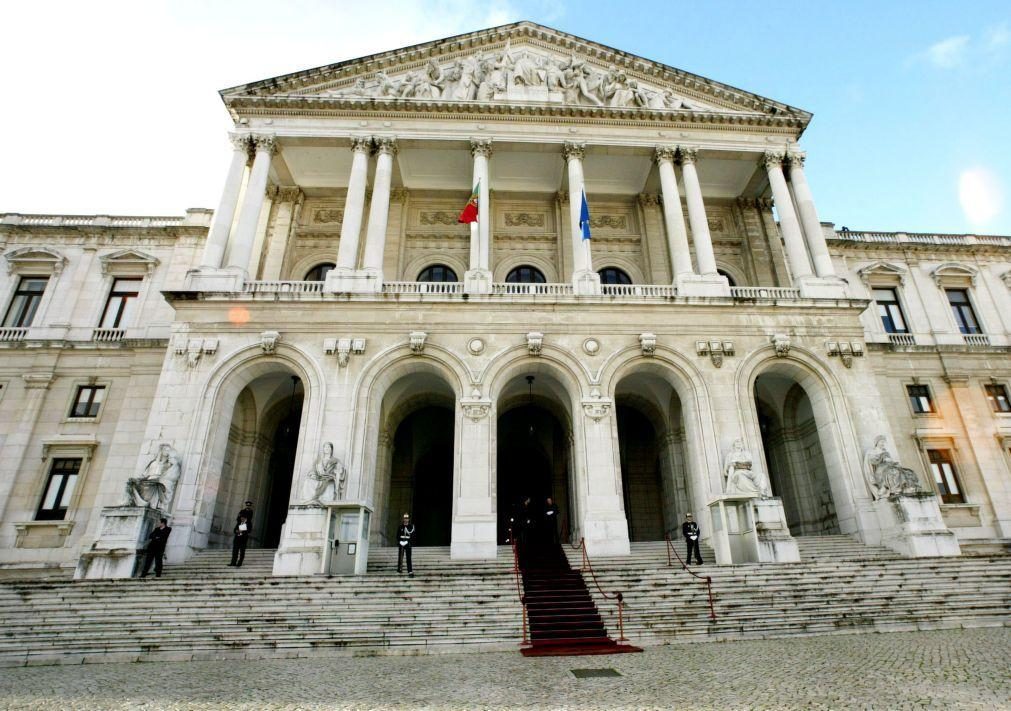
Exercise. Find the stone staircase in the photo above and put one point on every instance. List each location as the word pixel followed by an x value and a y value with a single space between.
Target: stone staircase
pixel 840 586
pixel 205 610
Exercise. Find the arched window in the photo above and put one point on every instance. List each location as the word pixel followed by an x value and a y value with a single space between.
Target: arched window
pixel 437 272
pixel 526 275
pixel 729 278
pixel 319 272
pixel 613 275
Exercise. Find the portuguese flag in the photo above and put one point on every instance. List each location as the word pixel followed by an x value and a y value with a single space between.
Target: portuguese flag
pixel 469 213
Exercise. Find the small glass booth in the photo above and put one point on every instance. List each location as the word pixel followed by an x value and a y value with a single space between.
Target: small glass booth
pixel 347 538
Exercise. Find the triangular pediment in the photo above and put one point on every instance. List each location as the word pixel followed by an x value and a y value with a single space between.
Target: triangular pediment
pixel 521 64
pixel 128 261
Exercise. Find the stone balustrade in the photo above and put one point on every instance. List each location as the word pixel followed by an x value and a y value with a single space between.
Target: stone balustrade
pixel 922 238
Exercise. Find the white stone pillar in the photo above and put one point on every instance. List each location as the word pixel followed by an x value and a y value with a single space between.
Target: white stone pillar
pixel 354 204
pixel 36 384
pixel 809 218
pixel 379 213
pixel 795 250
pixel 475 527
pixel 697 212
pixel 584 279
pixel 673 216
pixel 241 248
pixel 481 150
pixel 602 524
pixel 289 200
pixel 217 237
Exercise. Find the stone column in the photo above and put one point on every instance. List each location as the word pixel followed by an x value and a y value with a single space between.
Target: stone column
pixel 673 217
pixel 478 278
pixel 354 205
pixel 217 237
pixel 602 516
pixel 379 212
pixel 796 252
pixel 809 218
pixel 584 279
pixel 288 200
pixel 475 528
pixel 249 216
pixel 697 212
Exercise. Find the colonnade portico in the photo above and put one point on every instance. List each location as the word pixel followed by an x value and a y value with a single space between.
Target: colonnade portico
pixel 361 270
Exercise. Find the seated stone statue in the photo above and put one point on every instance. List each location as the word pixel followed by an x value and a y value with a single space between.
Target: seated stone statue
pixel 885 476
pixel 740 477
pixel 327 471
pixel 156 486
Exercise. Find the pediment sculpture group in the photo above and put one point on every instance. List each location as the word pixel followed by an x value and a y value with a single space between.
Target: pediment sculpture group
pixel 491 77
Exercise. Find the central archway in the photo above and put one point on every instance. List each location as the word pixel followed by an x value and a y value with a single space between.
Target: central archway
pixel 421 476
pixel 534 452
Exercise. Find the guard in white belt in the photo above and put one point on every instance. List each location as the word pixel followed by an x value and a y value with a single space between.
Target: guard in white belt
pixel 405 538
pixel 690 530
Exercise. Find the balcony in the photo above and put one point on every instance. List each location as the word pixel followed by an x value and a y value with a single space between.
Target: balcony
pixel 108 335
pixel 976 339
pixel 901 340
pixel 12 334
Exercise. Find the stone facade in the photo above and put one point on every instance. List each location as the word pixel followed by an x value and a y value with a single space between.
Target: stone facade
pixel 306 311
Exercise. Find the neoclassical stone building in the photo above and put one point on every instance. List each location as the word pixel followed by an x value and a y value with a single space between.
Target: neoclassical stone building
pixel 333 307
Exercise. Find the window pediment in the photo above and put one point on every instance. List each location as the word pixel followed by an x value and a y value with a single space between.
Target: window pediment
pixel 40 261
pixel 882 273
pixel 128 262
pixel 955 275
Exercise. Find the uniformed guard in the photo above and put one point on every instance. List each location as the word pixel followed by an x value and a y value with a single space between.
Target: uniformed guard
pixel 156 542
pixel 405 540
pixel 690 530
pixel 550 521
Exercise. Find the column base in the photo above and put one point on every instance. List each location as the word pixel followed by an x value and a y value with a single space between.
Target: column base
pixel 227 279
pixel 812 287
pixel 912 525
pixel 477 281
pixel 702 285
pixel 605 536
pixel 302 541
pixel 353 281
pixel 474 538
pixel 122 532
pixel 586 283
pixel 775 543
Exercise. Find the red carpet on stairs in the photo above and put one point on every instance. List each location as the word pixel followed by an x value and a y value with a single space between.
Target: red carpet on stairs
pixel 562 617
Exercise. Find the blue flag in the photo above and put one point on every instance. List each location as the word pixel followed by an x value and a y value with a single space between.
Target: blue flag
pixel 584 218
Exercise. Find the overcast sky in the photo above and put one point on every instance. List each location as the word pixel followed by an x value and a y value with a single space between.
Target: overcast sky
pixel 113 108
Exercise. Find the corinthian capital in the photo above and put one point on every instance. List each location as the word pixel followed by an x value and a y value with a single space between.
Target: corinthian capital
pixel 574 150
pixel 797 159
pixel 688 154
pixel 386 145
pixel 665 153
pixel 480 147
pixel 264 142
pixel 240 141
pixel 772 159
pixel 361 144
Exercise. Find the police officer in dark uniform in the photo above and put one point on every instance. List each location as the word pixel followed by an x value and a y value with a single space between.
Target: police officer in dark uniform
pixel 247 511
pixel 239 542
pixel 690 530
pixel 156 541
pixel 549 524
pixel 405 540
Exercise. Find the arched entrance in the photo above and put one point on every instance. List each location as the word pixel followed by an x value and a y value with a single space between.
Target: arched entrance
pixel 651 446
pixel 259 458
pixel 534 451
pixel 794 454
pixel 421 476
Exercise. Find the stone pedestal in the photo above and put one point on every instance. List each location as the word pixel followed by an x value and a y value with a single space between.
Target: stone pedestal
pixel 303 539
pixel 208 279
pixel 586 283
pixel 477 281
pixel 122 533
pixel 812 287
pixel 746 529
pixel 912 525
pixel 702 285
pixel 352 281
pixel 606 536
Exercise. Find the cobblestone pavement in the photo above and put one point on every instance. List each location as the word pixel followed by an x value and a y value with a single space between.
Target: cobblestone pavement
pixel 933 670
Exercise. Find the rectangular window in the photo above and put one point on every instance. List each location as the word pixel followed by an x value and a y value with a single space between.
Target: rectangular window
pixel 890 311
pixel 997 395
pixel 919 398
pixel 961 308
pixel 945 478
pixel 26 302
pixel 122 301
pixel 59 489
pixel 88 401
